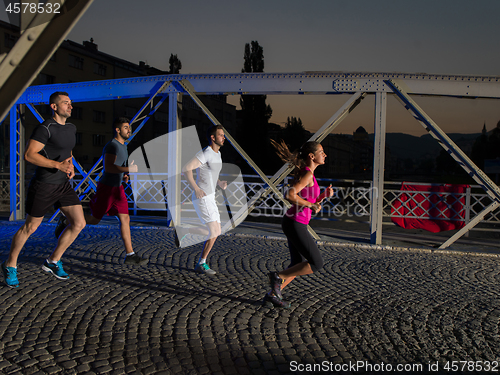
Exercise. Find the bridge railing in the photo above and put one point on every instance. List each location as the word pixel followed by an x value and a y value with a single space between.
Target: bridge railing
pixel 351 200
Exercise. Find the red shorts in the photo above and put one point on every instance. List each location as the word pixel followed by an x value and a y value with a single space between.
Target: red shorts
pixel 109 200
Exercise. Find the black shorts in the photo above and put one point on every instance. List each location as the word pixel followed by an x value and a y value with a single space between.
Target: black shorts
pixel 302 245
pixel 41 197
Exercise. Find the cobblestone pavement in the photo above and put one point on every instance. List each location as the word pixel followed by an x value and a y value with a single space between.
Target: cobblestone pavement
pixel 378 307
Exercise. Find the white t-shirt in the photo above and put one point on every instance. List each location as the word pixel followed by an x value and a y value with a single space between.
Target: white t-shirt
pixel 208 172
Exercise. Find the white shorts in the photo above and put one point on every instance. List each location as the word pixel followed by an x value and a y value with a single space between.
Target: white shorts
pixel 206 209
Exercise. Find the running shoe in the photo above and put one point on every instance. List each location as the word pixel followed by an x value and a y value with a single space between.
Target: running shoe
pixel 275 281
pixel 204 268
pixel 55 269
pixel 276 302
pixel 61 226
pixel 10 276
pixel 135 259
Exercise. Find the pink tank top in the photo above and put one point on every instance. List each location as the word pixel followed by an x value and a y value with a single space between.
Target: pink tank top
pixel 303 214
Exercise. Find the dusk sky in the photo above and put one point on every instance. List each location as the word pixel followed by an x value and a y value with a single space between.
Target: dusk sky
pixel 426 36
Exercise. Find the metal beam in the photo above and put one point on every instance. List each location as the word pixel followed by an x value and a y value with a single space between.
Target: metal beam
pixel 377 191
pixel 286 169
pixel 471 224
pixel 149 104
pixel 273 84
pixel 174 161
pixel 17 165
pixel 152 110
pixel 243 154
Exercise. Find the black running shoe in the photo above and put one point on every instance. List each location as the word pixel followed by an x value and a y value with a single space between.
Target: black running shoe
pixel 136 260
pixel 275 281
pixel 276 302
pixel 61 226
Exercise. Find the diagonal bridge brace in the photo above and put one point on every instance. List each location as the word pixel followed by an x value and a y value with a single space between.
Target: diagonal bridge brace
pixel 285 169
pixel 463 160
pixel 186 85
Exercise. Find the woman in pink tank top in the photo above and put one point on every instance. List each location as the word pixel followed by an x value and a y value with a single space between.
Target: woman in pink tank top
pixel 305 198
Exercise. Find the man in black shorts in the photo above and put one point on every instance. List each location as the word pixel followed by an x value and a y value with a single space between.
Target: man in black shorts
pixel 50 149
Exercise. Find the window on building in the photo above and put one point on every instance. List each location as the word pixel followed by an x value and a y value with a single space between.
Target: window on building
pixel 161 116
pixel 98 140
pixel 46 79
pixel 100 69
pixel 76 61
pixel 10 40
pixel 130 112
pixel 77 113
pixel 99 116
pixel 189 103
pixel 79 137
pixel 44 110
pixel 218 114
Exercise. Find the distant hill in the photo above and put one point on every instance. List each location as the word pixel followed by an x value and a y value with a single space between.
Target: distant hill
pixel 424 147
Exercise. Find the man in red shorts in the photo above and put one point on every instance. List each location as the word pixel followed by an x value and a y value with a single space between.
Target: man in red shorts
pixel 110 196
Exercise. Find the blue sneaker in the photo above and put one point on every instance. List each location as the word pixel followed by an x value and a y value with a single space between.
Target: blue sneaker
pixel 55 269
pixel 10 276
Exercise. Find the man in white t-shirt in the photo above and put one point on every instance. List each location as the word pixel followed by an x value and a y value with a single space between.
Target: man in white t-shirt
pixel 209 164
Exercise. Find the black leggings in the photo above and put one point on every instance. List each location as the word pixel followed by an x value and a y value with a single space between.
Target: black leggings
pixel 302 245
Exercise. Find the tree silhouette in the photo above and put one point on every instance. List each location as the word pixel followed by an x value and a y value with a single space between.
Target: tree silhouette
pixel 253 135
pixel 493 149
pixel 175 64
pixel 486 147
pixel 446 164
pixel 480 149
pixel 254 58
pixel 294 133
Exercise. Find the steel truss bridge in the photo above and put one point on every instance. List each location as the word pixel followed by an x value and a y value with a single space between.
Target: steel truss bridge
pixel 170 88
pixel 39 42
